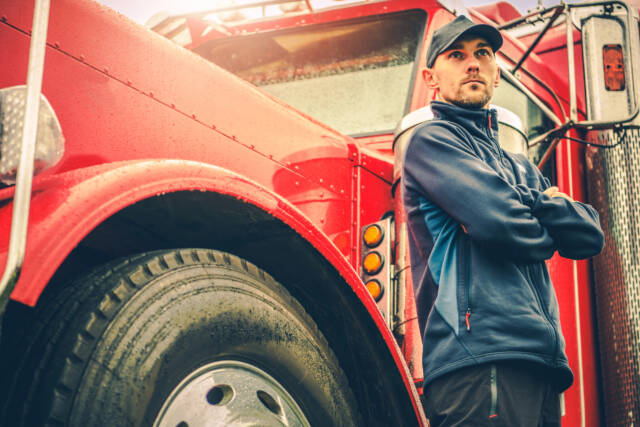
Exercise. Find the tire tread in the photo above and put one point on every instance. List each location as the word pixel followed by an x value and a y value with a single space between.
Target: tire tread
pixel 108 289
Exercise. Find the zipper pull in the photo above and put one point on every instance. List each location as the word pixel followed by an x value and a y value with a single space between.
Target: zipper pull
pixel 466 319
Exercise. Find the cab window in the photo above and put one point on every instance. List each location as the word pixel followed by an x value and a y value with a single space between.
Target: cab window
pixel 354 76
pixel 534 120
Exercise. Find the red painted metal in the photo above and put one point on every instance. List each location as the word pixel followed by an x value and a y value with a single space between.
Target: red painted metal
pixel 577 308
pixel 127 100
pixel 155 112
pixel 61 208
pixel 573 283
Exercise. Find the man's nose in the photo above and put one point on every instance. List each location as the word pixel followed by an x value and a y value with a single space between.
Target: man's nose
pixel 473 66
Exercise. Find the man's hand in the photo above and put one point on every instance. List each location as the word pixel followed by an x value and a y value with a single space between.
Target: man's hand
pixel 555 192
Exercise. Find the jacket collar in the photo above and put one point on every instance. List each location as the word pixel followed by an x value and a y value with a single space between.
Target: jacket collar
pixel 483 121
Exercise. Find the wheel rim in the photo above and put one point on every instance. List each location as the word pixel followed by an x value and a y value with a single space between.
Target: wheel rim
pixel 230 393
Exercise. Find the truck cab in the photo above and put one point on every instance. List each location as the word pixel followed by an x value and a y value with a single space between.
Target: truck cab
pixel 220 235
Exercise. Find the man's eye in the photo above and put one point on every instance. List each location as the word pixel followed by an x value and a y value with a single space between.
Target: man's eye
pixel 482 52
pixel 455 55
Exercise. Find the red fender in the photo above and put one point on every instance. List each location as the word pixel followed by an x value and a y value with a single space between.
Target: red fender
pixel 72 204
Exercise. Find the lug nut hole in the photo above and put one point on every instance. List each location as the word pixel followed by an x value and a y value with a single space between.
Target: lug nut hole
pixel 269 402
pixel 220 395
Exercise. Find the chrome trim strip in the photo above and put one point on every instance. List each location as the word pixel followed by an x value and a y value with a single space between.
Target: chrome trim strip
pixel 22 196
pixel 573 102
pixel 576 306
pixel 493 412
pixel 576 296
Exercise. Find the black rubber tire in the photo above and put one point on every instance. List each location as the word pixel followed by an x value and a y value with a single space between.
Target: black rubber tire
pixel 110 348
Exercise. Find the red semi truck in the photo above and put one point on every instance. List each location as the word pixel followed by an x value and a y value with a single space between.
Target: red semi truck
pixel 201 221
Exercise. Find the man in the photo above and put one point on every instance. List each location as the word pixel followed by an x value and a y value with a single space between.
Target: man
pixel 482 222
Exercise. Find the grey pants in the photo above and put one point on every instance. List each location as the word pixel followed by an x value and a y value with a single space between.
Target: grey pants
pixel 513 394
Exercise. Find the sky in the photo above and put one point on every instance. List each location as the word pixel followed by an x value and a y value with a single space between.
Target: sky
pixel 141 10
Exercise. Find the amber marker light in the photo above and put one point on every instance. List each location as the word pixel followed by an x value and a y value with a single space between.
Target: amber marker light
pixel 372 263
pixel 373 235
pixel 613 62
pixel 375 289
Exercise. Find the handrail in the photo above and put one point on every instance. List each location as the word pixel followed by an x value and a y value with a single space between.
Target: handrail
pixel 22 195
pixel 525 19
pixel 533 45
pixel 571 64
pixel 200 14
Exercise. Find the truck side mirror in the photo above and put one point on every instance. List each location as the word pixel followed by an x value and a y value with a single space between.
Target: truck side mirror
pixel 610 43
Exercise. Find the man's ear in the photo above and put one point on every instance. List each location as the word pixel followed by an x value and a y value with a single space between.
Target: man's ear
pixel 429 78
pixel 497 81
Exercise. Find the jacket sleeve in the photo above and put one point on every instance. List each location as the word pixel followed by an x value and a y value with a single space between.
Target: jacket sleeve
pixel 574 226
pixel 443 166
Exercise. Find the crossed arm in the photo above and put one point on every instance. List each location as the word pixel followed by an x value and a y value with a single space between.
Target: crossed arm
pixel 518 222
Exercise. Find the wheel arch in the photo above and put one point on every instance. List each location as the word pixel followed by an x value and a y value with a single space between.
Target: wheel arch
pixel 189 204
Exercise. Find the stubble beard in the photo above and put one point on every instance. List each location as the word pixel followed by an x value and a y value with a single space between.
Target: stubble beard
pixel 472 102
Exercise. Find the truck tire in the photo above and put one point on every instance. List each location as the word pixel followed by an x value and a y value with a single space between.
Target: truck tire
pixel 188 337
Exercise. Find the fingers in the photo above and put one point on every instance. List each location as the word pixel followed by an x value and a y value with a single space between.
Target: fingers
pixel 555 192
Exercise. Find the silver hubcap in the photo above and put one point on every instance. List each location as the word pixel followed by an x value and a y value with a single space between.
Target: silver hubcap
pixel 229 393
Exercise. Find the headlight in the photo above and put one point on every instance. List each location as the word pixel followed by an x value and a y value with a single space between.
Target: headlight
pixel 49 140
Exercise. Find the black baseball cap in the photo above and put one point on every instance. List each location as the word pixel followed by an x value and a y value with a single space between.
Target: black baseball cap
pixel 445 36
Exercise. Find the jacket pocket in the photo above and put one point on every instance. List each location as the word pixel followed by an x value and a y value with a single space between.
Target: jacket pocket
pixel 533 287
pixel 536 285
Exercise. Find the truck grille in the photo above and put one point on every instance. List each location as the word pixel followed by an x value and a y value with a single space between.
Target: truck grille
pixel 613 177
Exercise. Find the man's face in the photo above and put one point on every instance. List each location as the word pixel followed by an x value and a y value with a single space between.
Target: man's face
pixel 465 74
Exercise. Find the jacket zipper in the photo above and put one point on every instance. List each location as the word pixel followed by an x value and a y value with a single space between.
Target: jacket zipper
pixel 493 412
pixel 489 132
pixel 467 317
pixel 466 277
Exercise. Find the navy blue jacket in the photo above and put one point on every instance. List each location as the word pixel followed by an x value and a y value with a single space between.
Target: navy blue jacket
pixel 480 230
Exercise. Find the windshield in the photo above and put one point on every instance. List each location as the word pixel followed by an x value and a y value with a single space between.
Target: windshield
pixel 355 77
